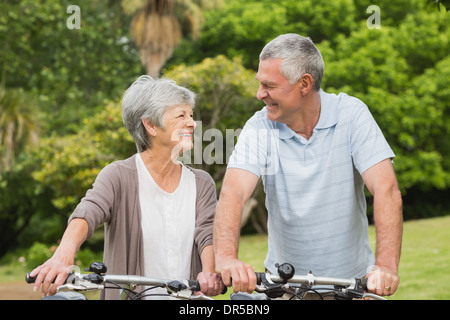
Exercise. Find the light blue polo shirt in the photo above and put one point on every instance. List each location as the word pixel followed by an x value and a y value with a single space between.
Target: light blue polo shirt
pixel 314 191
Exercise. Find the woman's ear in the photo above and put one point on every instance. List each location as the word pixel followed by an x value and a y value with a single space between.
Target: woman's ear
pixel 149 127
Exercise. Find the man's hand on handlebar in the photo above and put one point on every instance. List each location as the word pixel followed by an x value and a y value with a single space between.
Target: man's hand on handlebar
pixel 382 281
pixel 238 274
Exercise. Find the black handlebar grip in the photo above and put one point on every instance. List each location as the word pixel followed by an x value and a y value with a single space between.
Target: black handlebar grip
pixel 225 289
pixel 258 277
pixel 364 283
pixel 29 278
pixel 194 285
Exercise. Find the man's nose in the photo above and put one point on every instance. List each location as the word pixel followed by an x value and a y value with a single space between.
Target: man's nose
pixel 261 93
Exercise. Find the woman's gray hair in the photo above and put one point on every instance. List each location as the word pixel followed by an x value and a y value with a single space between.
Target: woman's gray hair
pixel 300 56
pixel 148 98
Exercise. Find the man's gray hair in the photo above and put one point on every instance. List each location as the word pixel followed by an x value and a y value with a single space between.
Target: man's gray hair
pixel 148 98
pixel 300 56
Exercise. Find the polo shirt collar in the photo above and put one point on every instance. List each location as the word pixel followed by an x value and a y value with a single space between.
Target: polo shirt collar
pixel 328 115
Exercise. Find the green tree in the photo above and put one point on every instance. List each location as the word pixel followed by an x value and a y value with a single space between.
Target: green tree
pixel 242 28
pixel 68 165
pixel 392 12
pixel 226 99
pixel 157 27
pixel 19 119
pixel 22 205
pixel 391 69
pixel 440 3
pixel 71 71
pixel 44 187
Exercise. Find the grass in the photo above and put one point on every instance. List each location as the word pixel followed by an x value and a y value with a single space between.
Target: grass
pixel 425 261
pixel 424 265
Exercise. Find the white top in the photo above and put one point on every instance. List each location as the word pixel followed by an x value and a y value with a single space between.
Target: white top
pixel 314 189
pixel 168 222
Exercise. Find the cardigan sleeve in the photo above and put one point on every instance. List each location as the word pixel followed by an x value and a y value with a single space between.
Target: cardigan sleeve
pixel 205 209
pixel 96 206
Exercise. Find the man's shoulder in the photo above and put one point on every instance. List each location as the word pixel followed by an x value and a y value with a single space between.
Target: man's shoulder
pixel 259 120
pixel 348 107
pixel 343 100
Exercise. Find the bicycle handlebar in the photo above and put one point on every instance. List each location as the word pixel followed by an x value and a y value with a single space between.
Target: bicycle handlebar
pixel 183 289
pixel 287 282
pixel 270 284
pixel 311 280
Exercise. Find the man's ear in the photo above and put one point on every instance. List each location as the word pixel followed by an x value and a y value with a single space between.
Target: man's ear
pixel 306 84
pixel 149 127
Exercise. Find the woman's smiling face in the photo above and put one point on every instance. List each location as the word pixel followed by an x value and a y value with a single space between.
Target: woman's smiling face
pixel 178 128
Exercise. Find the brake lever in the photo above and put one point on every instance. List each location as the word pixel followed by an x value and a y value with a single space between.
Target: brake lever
pixel 78 282
pixel 272 290
pixel 80 286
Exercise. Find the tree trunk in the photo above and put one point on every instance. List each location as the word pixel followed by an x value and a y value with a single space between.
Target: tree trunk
pixel 153 64
pixel 251 203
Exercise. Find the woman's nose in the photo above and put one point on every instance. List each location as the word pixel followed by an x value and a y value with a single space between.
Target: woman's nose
pixel 191 123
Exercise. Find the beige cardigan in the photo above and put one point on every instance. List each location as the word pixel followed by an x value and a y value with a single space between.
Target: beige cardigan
pixel 114 202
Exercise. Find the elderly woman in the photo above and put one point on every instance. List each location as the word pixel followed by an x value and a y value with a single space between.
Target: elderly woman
pixel 157 212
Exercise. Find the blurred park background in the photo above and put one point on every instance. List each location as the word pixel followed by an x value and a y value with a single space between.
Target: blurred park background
pixel 65 65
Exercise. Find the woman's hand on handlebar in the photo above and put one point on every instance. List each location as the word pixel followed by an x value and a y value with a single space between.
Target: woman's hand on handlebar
pixel 211 284
pixel 50 275
pixel 61 264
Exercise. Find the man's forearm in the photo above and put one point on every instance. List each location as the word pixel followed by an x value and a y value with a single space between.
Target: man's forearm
pixel 227 228
pixel 389 229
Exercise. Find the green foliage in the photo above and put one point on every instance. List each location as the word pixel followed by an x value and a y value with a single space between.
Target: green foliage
pixel 392 13
pixel 38 254
pixel 86 256
pixel 423 39
pixel 406 87
pixel 225 101
pixel 440 4
pixel 20 203
pixel 54 176
pixel 223 86
pixel 68 165
pixel 19 124
pixel 242 28
pixel 70 70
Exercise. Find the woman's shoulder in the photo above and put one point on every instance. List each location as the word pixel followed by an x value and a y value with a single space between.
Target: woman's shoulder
pixel 201 175
pixel 119 168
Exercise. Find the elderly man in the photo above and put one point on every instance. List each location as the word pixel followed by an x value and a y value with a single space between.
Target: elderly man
pixel 314 152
